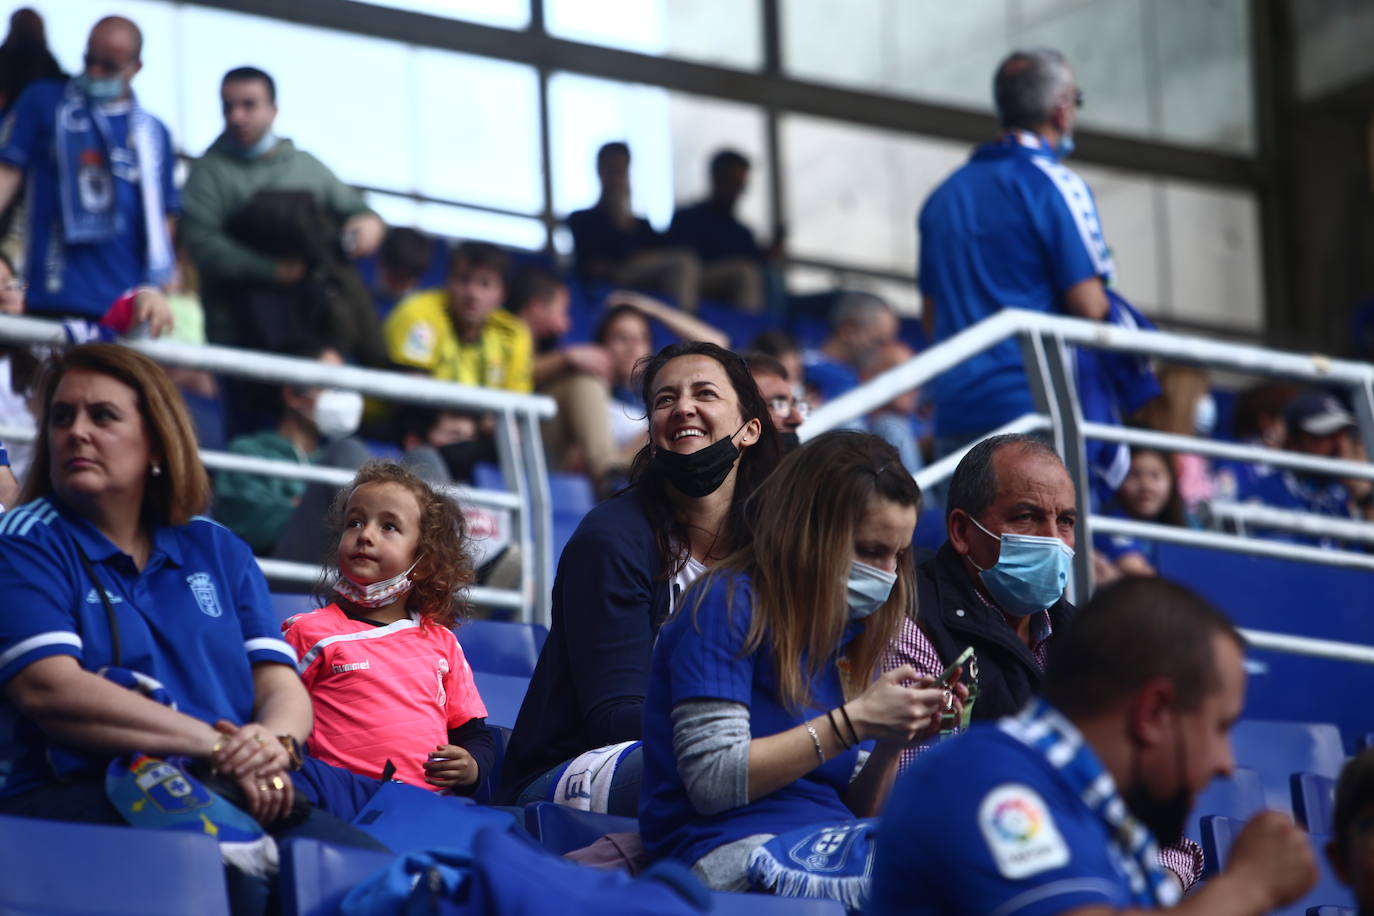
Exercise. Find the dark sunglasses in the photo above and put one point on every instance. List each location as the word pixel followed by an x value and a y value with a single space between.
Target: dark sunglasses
pixel 103 63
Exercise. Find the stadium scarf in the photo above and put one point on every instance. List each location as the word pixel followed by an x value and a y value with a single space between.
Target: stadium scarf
pixel 84 145
pixel 1043 729
pixel 828 862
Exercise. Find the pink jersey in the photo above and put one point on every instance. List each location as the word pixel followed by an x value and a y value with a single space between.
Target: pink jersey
pixel 381 692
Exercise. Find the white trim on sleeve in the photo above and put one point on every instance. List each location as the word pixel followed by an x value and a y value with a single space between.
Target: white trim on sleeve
pixel 270 644
pixel 1056 889
pixel 51 638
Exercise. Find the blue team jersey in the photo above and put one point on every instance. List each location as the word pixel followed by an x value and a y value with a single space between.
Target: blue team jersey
pixel 195 619
pixel 1012 228
pixel 984 824
pixel 1284 489
pixel 83 279
pixel 698 656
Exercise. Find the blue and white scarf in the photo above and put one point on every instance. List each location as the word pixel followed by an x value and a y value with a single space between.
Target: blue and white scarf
pixel 829 862
pixel 88 162
pixel 1040 727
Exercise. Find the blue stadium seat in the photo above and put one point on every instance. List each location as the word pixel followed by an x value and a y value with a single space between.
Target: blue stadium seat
pixel 572 497
pixel 486 476
pixel 286 604
pixel 1277 750
pixel 1239 797
pixel 725 904
pixel 502 647
pixel 1314 797
pixel 500 740
pixel 78 869
pixel 1218 834
pixel 316 876
pixel 561 829
pixel 1364 742
pixel 1332 911
pixel 502 694
pixel 408 818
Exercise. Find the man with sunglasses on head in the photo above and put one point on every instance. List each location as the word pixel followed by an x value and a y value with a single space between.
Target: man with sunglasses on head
pixel 1012 228
pixel 101 196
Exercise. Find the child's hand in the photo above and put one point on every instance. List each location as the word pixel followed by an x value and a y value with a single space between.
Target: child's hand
pixel 449 765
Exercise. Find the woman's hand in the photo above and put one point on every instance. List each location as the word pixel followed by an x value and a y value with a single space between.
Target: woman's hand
pixel 889 711
pixel 247 749
pixel 951 703
pixel 450 765
pixel 269 794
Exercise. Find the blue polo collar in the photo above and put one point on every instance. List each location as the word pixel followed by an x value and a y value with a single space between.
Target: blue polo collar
pixel 99 548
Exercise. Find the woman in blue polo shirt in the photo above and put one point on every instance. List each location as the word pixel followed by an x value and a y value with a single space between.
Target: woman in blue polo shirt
pixel 762 685
pixel 106 563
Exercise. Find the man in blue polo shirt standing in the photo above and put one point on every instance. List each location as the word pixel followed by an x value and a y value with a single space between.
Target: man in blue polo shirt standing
pixel 1057 811
pixel 100 186
pixel 1012 228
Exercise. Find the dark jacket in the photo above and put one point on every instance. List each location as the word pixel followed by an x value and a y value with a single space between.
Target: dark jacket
pixel 954 617
pixel 589 685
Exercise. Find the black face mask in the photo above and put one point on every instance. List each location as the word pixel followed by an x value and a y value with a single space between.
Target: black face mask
pixel 702 472
pixel 1166 817
pixel 789 442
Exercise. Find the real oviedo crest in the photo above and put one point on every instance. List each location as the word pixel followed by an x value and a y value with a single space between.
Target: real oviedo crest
pixel 203 588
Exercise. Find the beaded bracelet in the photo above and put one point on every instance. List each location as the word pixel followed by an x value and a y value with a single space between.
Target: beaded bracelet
pixel 816 740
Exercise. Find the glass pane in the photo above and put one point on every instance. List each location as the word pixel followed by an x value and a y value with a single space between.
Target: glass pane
pixel 320 94
pixel 701 128
pixel 584 113
pixel 726 32
pixel 1214 255
pixel 506 14
pixel 1128 204
pixel 1333 38
pixel 480 145
pixel 1206 82
pixel 459 222
pixel 853 193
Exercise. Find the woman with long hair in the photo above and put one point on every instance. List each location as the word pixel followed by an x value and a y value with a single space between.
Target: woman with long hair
pixel 764 683
pixel 711 444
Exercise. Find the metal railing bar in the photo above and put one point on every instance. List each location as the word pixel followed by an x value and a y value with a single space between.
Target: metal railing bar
pixel 1309 523
pixel 1231 543
pixel 307 574
pixel 1307 645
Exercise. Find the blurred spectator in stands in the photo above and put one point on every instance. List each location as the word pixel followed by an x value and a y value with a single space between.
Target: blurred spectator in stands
pixel 1148 494
pixel 1318 424
pixel 281 517
pixel 783 347
pixel 272 231
pixel 711 444
pixel 1013 228
pixel 895 422
pixel 9 485
pixel 460 333
pixel 100 193
pixel 861 324
pixel 401 263
pixel 765 682
pixel 625 334
pixel 1057 810
pixel 24 59
pixel 612 245
pixel 787 412
pixel 1185 407
pixel 1257 420
pixel 732 263
pixel 18 371
pixel 1351 849
pixel 188 325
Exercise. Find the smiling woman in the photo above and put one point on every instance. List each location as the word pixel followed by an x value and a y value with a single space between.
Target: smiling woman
pixel 711 444
pixel 109 573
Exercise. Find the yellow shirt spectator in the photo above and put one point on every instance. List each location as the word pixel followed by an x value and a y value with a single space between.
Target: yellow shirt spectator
pixel 420 333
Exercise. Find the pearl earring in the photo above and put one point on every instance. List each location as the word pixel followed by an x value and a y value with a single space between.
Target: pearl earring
pixel 155 470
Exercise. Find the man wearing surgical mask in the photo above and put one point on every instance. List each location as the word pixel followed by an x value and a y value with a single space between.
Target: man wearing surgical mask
pixel 280 517
pixel 99 189
pixel 997 584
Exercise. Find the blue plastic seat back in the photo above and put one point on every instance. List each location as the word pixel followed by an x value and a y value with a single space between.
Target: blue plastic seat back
pixel 315 876
pixel 1314 797
pixel 726 904
pixel 570 494
pixel 500 740
pixel 501 647
pixel 561 829
pixel 285 605
pixel 1240 797
pixel 1277 750
pixel 77 869
pixel 502 694
pixel 1219 833
pixel 406 818
pixel 1332 911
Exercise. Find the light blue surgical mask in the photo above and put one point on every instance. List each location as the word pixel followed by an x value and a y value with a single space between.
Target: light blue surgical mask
pixel 106 89
pixel 1030 574
pixel 1205 415
pixel 259 149
pixel 1064 149
pixel 867 588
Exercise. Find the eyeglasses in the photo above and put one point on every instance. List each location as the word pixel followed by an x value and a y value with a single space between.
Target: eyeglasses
pixel 1078 98
pixel 784 405
pixel 13 286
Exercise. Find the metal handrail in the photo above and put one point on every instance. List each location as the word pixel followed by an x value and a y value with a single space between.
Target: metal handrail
pixel 308 575
pixel 1244 514
pixel 519 445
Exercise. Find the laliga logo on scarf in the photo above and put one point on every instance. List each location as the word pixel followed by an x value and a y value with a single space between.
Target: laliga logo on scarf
pixel 203 588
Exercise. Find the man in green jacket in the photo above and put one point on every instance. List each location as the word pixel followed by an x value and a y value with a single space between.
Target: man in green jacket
pixel 230 179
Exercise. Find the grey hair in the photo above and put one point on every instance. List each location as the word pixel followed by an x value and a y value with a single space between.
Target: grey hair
pixel 857 308
pixel 974 484
pixel 1029 85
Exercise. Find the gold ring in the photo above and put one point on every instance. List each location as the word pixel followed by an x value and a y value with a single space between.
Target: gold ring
pixel 277 783
pixel 259 739
pixel 949 699
pixel 264 788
